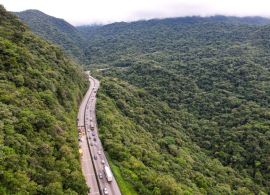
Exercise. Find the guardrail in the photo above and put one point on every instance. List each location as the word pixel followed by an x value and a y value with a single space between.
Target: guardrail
pixel 98 182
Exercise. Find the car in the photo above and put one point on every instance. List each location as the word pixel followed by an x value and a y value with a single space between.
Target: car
pixel 91 144
pixel 93 134
pixel 95 139
pixel 99 152
pixel 89 137
pixel 105 191
pixel 103 161
pixel 100 175
pixel 95 157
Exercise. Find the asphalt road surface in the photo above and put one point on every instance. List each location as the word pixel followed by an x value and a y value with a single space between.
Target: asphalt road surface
pixel 93 157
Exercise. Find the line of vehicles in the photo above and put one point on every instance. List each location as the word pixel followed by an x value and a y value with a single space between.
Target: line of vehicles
pixel 107 170
pixel 93 142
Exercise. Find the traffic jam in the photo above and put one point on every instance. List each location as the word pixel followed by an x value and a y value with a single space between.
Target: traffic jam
pixel 103 171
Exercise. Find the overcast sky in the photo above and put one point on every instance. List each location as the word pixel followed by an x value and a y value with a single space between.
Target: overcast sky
pixel 79 12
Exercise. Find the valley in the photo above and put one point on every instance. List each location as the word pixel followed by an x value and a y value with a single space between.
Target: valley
pixel 182 106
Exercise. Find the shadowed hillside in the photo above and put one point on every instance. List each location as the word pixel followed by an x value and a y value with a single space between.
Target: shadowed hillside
pixel 55 30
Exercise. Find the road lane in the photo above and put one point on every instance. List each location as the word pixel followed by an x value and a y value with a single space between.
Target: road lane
pixel 112 186
pixel 94 145
pixel 86 161
pixel 87 167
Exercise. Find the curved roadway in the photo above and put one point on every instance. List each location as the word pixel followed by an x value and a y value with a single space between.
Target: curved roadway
pixel 90 144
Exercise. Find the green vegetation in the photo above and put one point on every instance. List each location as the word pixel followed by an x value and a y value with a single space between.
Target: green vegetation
pixel 125 187
pixel 184 105
pixel 147 140
pixel 212 77
pixel 55 30
pixel 40 89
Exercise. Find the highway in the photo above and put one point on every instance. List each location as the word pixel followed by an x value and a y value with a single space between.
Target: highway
pixel 93 158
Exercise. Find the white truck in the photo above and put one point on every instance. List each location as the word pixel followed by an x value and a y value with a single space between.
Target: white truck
pixel 108 173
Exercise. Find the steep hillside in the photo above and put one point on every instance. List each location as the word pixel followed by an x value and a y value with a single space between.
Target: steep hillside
pixel 150 144
pixel 215 73
pixel 184 104
pixel 56 30
pixel 40 89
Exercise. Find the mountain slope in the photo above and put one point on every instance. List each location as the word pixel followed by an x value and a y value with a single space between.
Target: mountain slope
pixel 180 34
pixel 148 141
pixel 56 30
pixel 40 88
pixel 216 73
pixel 184 104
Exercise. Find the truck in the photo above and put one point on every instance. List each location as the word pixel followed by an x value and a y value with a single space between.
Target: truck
pixel 92 127
pixel 108 173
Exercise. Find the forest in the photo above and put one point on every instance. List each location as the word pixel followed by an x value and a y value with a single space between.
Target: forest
pixel 57 31
pixel 40 90
pixel 184 102
pixel 213 76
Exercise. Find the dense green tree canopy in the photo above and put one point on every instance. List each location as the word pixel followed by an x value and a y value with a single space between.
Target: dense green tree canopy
pixel 39 93
pixel 56 30
pixel 184 103
pixel 213 75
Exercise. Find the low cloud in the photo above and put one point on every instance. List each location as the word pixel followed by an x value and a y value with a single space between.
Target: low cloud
pixel 81 12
